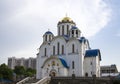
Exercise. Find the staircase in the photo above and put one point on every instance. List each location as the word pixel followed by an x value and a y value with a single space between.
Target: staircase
pixel 23 81
pixel 33 80
pixel 67 80
pixel 45 80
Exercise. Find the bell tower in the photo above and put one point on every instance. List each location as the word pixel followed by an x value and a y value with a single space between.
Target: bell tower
pixel 75 32
pixel 48 36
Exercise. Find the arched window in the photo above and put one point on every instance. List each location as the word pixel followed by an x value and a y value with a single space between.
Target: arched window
pixel 73 48
pixel 73 65
pixel 58 48
pixel 53 63
pixel 45 37
pixel 67 29
pixel 53 50
pixel 62 49
pixel 58 30
pixel 72 33
pixel 77 33
pixel 58 69
pixel 45 51
pixel 62 29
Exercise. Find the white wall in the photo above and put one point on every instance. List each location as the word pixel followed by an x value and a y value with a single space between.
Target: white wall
pixel 91 66
pixel 54 42
pixel 76 57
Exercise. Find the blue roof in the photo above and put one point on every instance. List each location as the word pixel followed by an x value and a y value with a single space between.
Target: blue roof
pixel 74 27
pixel 83 39
pixel 64 62
pixel 66 37
pixel 93 53
pixel 48 32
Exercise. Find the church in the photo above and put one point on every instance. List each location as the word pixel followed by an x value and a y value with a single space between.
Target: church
pixel 67 53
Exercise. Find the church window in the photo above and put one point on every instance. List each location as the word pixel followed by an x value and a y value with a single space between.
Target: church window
pixel 45 37
pixel 73 48
pixel 91 72
pixel 67 29
pixel 58 47
pixel 58 69
pixel 45 51
pixel 76 31
pixel 73 65
pixel 53 63
pixel 58 30
pixel 91 63
pixel 62 49
pixel 62 29
pixel 86 74
pixel 53 50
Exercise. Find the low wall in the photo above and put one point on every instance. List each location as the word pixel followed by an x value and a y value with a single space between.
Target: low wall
pixel 82 80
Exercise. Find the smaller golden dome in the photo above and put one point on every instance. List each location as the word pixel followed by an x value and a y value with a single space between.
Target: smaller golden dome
pixel 65 19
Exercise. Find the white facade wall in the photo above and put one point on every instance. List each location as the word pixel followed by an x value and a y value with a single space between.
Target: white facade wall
pixel 92 66
pixel 97 66
pixel 55 42
pixel 41 58
pixel 76 57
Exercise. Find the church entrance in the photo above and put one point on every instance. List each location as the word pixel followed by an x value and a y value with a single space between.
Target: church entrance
pixel 53 73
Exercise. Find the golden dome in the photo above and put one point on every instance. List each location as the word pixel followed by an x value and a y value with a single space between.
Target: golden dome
pixel 65 19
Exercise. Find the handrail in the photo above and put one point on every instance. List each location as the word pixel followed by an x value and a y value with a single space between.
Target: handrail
pixel 23 81
pixel 42 81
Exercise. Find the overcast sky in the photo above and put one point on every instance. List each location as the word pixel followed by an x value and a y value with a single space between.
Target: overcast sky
pixel 23 23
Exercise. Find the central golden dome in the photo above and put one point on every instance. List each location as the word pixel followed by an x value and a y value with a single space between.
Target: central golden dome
pixel 66 19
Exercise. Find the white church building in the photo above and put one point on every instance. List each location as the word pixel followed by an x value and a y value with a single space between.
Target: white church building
pixel 67 53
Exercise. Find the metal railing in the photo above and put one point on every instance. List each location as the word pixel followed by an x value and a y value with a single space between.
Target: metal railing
pixel 45 80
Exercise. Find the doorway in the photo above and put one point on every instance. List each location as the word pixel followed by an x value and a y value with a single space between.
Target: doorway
pixel 53 73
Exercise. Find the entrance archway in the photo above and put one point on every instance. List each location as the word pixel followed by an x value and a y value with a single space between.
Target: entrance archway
pixel 53 73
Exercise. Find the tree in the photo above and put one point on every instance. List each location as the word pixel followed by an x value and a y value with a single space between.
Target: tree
pixel 5 72
pixel 30 72
pixel 20 71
